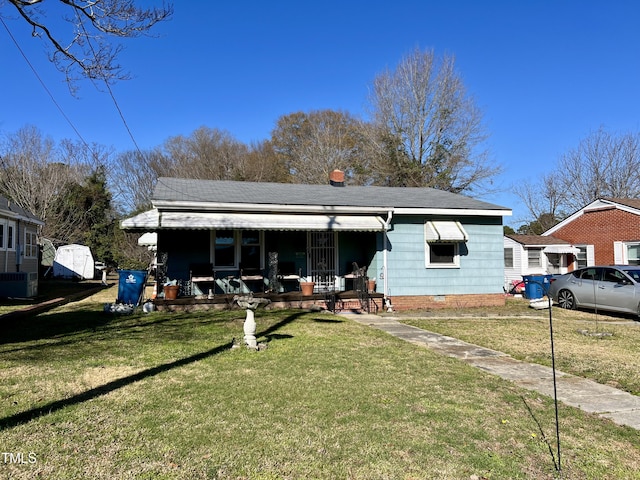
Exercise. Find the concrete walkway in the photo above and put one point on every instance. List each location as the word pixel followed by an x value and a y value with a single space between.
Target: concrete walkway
pixel 621 407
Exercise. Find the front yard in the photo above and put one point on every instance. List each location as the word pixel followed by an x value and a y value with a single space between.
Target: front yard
pixel 85 394
pixel 602 347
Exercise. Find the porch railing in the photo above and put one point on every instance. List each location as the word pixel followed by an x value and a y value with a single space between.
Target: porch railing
pixel 360 286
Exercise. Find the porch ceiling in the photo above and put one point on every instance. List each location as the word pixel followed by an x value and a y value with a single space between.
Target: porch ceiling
pixel 254 221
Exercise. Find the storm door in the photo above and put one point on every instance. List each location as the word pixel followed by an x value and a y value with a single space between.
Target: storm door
pixel 321 259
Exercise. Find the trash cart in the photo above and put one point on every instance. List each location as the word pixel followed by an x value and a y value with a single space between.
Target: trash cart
pixel 131 285
pixel 536 286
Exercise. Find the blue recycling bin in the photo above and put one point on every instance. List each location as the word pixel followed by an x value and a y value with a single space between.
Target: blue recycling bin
pixel 130 286
pixel 536 286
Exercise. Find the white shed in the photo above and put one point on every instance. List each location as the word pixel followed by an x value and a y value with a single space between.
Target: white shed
pixel 74 261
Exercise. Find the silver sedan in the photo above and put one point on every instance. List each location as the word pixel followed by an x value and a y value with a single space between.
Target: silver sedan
pixel 615 289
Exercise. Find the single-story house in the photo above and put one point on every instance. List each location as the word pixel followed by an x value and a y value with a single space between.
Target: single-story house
pixel 424 248
pixel 19 250
pixel 606 232
pixel 535 255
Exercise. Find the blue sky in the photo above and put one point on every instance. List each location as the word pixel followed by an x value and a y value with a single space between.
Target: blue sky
pixel 545 73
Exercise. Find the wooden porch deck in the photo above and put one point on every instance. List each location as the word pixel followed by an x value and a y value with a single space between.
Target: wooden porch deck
pixel 345 301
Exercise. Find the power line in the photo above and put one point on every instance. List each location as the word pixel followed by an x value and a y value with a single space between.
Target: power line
pixel 106 82
pixel 44 85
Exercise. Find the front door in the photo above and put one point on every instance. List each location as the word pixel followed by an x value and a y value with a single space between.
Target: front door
pixel 322 259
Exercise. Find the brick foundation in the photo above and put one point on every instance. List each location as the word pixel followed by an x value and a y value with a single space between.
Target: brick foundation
pixel 432 302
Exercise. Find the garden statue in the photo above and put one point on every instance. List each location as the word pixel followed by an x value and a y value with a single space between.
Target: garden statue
pixel 250 304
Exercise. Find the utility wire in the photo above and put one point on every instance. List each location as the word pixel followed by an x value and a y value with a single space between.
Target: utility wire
pixel 44 85
pixel 106 82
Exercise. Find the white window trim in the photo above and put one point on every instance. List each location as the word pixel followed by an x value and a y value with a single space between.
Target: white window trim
pixel 237 249
pixel 540 263
pixel 3 239
pixel 456 256
pixel 10 226
pixel 513 261
pixel 621 252
pixel 30 249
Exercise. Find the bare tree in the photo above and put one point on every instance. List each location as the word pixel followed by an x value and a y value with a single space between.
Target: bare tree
pixel 430 126
pixel 33 171
pixel 87 48
pixel 134 177
pixel 602 165
pixel 313 144
pixel 545 201
pixel 206 154
pixel 262 164
pixel 36 173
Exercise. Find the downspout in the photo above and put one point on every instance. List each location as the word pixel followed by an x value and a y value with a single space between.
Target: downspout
pixel 387 224
pixel 18 245
pixel 6 249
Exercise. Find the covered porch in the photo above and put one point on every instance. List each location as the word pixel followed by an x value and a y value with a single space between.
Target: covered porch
pixel 210 257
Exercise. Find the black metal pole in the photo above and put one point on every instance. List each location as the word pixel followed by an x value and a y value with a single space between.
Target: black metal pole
pixel 555 389
pixel 558 464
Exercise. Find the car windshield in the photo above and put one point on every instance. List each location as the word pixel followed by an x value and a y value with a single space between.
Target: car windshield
pixel 633 273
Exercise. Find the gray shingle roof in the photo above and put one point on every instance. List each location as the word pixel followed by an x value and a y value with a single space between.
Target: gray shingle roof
pixel 536 239
pixel 188 190
pixel 12 208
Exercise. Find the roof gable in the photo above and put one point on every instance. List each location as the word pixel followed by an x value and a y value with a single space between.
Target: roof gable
pixel 630 205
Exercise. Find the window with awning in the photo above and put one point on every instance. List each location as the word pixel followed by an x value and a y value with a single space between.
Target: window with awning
pixel 443 239
pixel 445 231
pixel 561 249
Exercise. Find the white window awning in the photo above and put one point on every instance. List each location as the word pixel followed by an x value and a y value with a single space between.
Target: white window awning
pixel 214 220
pixel 445 231
pixel 143 221
pixel 561 249
pixel 148 239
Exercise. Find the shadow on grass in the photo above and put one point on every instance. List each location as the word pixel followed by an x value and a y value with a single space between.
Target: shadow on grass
pixel 28 415
pixel 51 326
pixel 328 320
pixel 71 327
pixel 545 439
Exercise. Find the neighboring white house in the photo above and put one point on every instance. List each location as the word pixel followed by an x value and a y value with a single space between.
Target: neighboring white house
pixel 535 255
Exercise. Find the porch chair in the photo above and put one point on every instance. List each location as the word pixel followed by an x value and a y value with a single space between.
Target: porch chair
pixel 200 272
pixel 287 272
pixel 248 274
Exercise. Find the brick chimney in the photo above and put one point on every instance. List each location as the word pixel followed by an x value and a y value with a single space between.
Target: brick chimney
pixel 336 178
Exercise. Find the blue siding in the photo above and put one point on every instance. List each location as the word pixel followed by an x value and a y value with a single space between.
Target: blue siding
pixel 481 268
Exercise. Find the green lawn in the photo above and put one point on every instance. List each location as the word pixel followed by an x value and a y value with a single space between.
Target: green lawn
pixel 602 347
pixel 89 395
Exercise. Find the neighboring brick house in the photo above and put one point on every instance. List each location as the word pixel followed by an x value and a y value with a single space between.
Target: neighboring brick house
pixel 606 231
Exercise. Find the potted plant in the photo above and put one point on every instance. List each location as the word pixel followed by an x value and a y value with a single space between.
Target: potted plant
pixel 307 286
pixel 371 285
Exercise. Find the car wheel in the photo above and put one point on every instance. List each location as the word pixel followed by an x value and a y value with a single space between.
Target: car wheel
pixel 566 299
